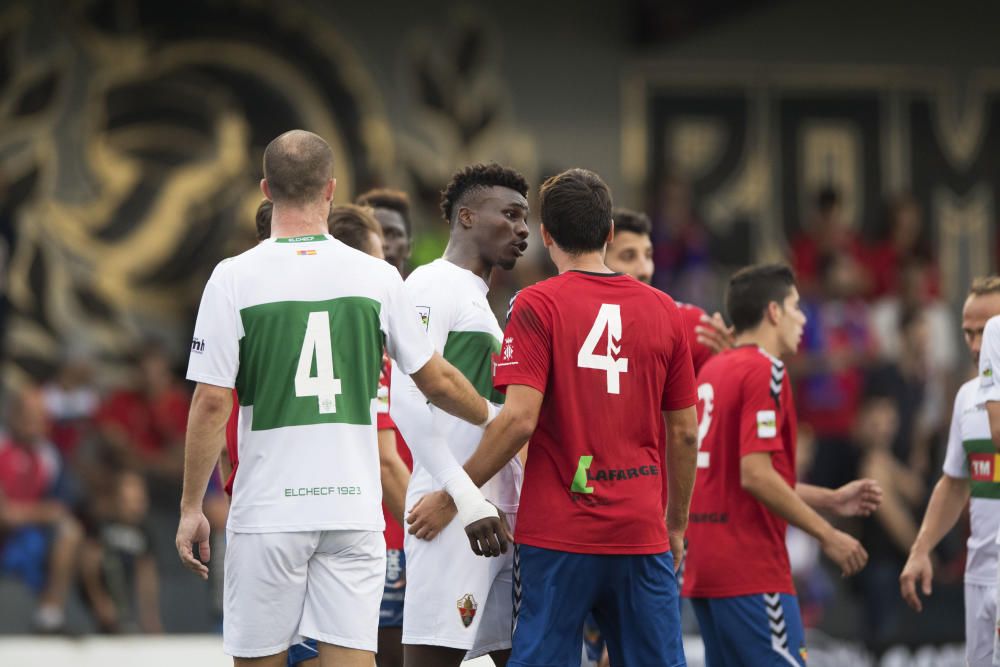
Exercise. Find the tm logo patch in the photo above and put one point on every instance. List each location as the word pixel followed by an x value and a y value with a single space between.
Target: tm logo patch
pixel 767 424
pixel 425 316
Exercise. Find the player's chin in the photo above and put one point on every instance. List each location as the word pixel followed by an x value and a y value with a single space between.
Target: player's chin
pixel 507 263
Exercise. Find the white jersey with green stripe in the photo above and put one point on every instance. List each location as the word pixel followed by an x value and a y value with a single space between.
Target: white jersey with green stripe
pixel 971 455
pixel 989 385
pixel 452 304
pixel 297 326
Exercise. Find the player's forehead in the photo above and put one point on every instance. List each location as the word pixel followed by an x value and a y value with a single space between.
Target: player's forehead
pixel 497 196
pixel 390 219
pixel 978 309
pixel 631 239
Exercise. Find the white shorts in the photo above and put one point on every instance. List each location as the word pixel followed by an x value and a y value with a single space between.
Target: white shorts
pixel 325 585
pixel 980 625
pixel 455 598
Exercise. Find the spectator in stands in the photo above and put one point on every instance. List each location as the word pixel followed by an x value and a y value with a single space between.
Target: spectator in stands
pixel 118 568
pixel 681 245
pixel 905 382
pixel 145 423
pixel 36 525
pixel 837 348
pixel 887 534
pixel 903 239
pixel 72 400
pixel 826 234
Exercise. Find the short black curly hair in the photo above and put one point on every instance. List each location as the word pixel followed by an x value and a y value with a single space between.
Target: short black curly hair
pixel 477 177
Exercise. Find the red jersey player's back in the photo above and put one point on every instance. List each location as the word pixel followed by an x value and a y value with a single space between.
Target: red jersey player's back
pixel 610 354
pixel 736 546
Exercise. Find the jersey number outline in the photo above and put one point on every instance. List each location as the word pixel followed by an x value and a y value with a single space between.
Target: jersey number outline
pixel 608 317
pixel 317 344
pixel 706 394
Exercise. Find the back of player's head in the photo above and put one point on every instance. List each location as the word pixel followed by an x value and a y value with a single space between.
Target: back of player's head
pixel 636 222
pixel 353 226
pixel 576 210
pixel 393 200
pixel 752 289
pixel 297 166
pixel 985 285
pixel 466 183
pixel 263 220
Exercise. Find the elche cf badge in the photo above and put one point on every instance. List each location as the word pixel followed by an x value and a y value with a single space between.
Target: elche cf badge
pixel 425 316
pixel 467 609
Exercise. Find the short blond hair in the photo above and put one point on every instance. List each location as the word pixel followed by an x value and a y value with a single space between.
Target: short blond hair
pixel 985 285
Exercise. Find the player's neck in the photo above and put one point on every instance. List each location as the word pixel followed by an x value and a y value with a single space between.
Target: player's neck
pixel 289 221
pixel 765 339
pixel 468 257
pixel 590 262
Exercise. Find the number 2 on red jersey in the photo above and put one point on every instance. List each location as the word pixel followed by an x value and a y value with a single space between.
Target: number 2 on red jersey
pixel 706 394
pixel 609 318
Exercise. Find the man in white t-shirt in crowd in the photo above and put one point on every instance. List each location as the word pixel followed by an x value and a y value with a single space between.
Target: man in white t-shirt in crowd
pixel 296 325
pixel 969 470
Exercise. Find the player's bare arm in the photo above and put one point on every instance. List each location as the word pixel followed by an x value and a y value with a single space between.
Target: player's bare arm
pixel 858 498
pixel 759 478
pixel 682 457
pixel 943 511
pixel 446 387
pixel 435 510
pixel 501 442
pixel 206 433
pixel 393 474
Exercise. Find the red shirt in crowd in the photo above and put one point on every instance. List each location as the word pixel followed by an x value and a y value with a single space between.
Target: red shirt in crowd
pixel 736 546
pixel 610 354
pixel 151 426
pixel 27 473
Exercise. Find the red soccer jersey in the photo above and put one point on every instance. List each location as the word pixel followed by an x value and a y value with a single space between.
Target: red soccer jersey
pixel 736 546
pixel 610 354
pixel 700 353
pixel 393 531
pixel 27 473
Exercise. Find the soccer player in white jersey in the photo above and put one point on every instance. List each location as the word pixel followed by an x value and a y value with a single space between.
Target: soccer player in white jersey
pixel 987 468
pixel 297 325
pixel 458 605
pixel 969 470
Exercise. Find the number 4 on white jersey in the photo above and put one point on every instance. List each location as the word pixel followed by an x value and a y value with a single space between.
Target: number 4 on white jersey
pixel 608 317
pixel 324 386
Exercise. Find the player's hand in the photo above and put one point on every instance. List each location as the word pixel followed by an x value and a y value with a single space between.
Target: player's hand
pixel 428 517
pixel 858 498
pixel 676 548
pixel 845 551
pixel 193 527
pixel 917 571
pixel 714 334
pixel 489 536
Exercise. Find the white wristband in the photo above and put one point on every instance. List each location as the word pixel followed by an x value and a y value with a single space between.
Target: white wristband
pixel 491 413
pixel 472 505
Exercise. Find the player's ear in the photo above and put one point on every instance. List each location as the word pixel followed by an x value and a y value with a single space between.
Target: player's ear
pixel 547 239
pixel 465 216
pixel 611 234
pixel 774 311
pixel 266 189
pixel 331 187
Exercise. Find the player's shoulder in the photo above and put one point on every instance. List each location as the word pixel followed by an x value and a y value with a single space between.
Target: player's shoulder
pixel 690 312
pixel 966 394
pixel 992 329
pixel 746 360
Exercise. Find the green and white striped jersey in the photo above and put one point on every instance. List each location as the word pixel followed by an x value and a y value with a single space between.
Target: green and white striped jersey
pixel 971 455
pixel 297 326
pixel 452 304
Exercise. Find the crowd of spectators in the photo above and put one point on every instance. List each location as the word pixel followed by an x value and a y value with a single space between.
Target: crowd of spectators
pixel 85 469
